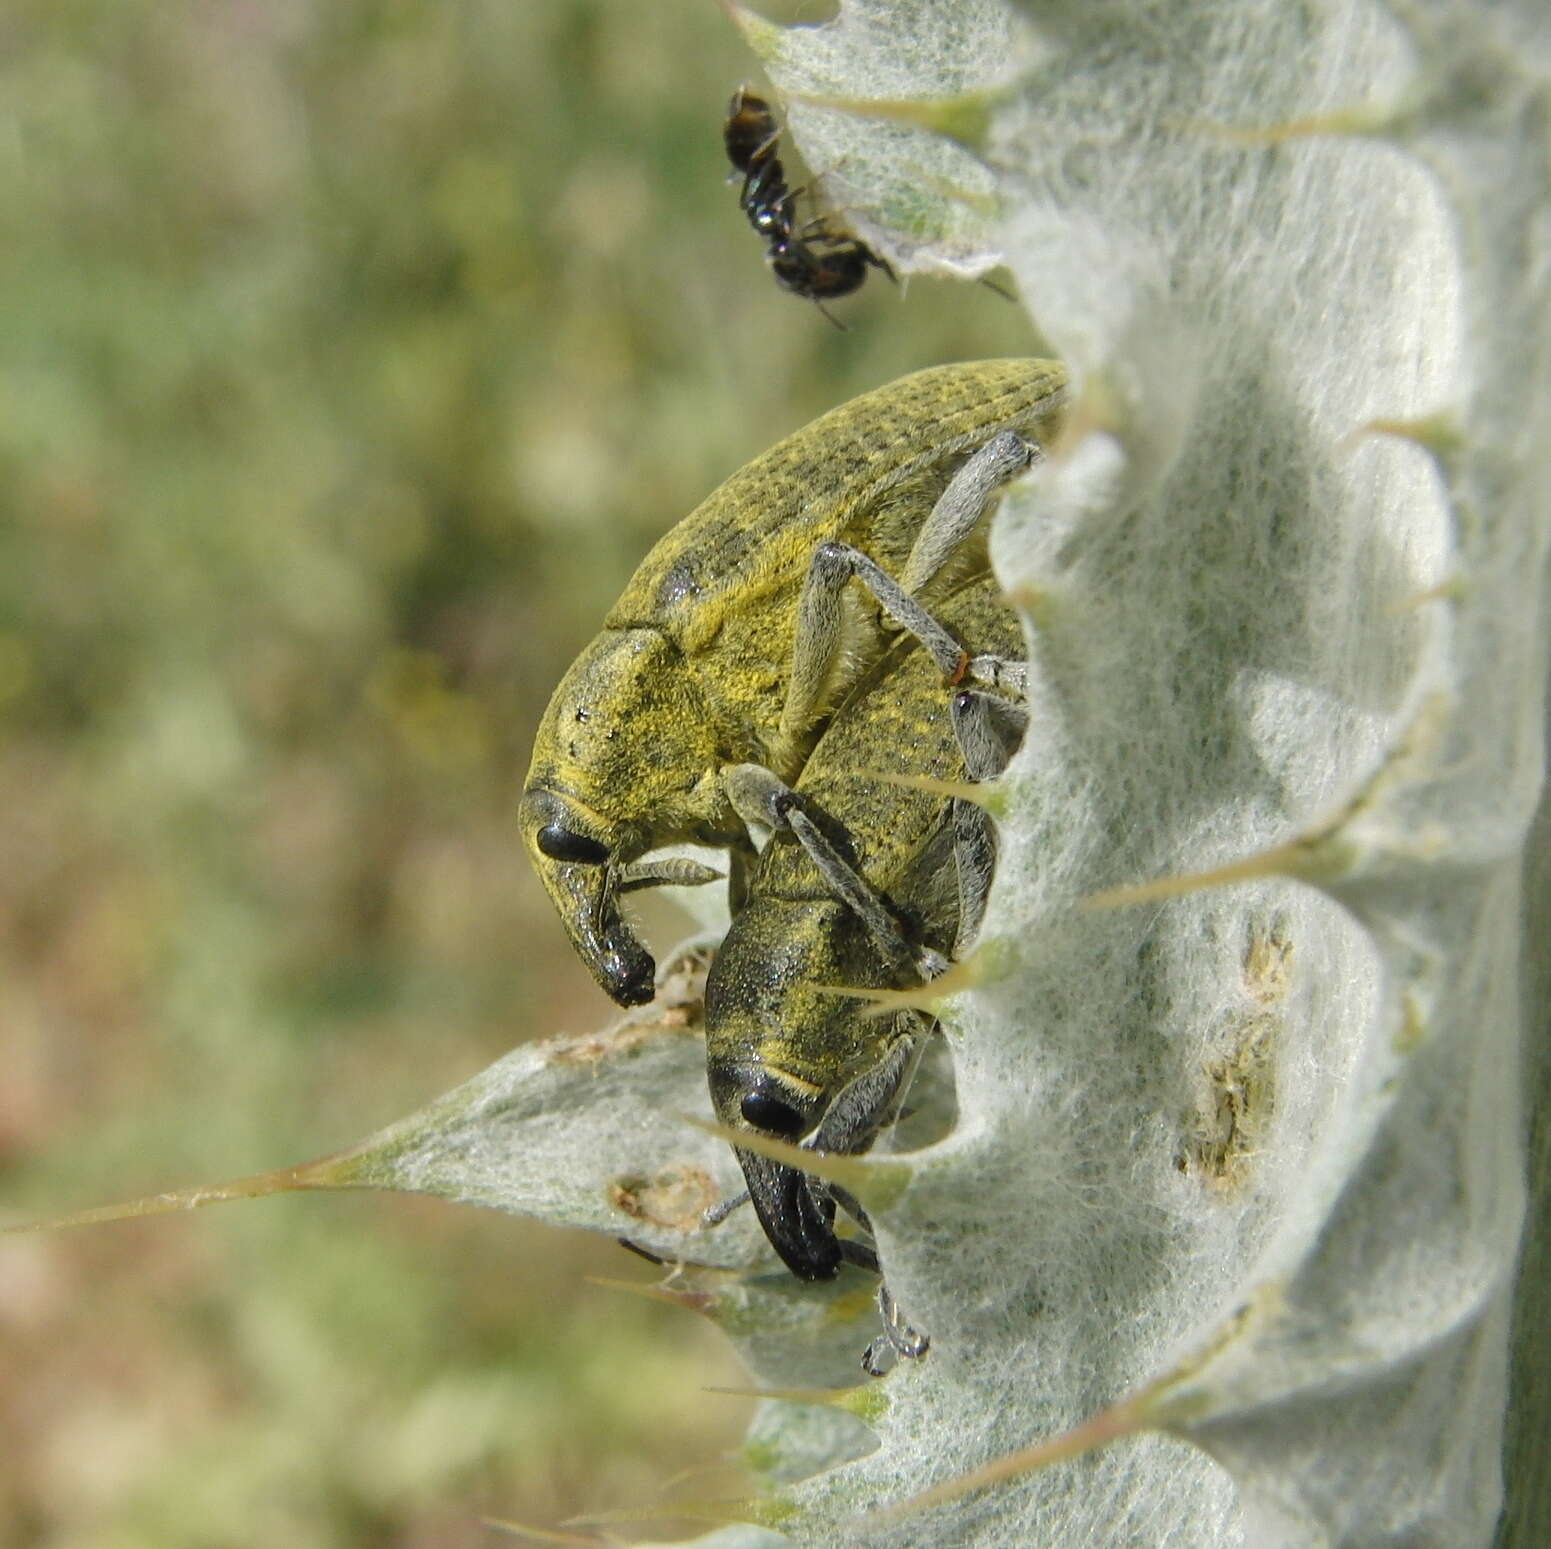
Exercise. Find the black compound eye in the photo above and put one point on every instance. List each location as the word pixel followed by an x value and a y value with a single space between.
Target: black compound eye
pixel 772 1115
pixel 564 844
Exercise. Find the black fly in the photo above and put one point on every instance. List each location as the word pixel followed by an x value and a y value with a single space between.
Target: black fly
pixel 811 261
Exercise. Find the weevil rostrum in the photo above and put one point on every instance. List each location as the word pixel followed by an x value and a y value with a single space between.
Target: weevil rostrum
pixel 866 883
pixel 740 633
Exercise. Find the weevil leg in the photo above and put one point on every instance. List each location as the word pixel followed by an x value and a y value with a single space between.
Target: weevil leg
pixel 974 850
pixel 875 1361
pixel 819 635
pixel 820 628
pixel 714 1215
pixel 670 871
pixel 867 1106
pixel 989 730
pixel 926 962
pixel 859 1254
pixel 899 1340
pixel 760 796
pixel 871 1103
pixel 852 889
pixel 962 504
pixel 952 660
pixel 1000 674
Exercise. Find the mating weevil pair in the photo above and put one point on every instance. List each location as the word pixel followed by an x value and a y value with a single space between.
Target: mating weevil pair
pixel 702 703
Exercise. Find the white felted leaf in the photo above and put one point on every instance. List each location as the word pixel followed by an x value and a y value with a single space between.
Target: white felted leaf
pixel 1261 1139
pixel 577 1132
pixel 925 199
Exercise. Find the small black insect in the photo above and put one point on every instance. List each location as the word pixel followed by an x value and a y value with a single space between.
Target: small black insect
pixel 750 132
pixel 812 261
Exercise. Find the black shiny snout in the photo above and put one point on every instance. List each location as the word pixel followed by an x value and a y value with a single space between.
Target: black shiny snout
pixel 794 1209
pixel 799 1225
pixel 627 972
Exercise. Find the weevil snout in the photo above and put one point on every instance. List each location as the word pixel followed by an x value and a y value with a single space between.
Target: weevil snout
pixel 624 762
pixel 798 1220
pixel 797 1217
pixel 575 861
pixel 625 969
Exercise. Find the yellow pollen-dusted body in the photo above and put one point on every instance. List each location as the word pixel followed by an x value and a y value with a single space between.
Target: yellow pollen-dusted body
pixel 770 999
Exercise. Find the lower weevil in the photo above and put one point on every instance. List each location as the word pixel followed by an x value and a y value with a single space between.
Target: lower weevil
pixel 865 884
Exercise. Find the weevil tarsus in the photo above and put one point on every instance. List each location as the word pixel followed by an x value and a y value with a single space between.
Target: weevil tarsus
pixel 898 1341
pixel 988 729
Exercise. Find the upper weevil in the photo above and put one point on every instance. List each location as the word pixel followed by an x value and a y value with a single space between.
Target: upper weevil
pixel 739 634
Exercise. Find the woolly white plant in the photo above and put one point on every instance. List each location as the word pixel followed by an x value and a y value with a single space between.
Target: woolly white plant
pixel 1221 1247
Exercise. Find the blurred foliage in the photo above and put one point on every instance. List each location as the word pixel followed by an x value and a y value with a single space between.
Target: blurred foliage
pixel 351 355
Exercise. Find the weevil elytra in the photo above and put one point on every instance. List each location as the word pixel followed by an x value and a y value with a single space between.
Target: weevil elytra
pixel 865 884
pixel 739 633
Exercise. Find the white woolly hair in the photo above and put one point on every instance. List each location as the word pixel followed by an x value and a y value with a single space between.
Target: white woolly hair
pixel 1243 1156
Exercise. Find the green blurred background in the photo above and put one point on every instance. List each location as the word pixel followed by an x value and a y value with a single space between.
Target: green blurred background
pixel 351 354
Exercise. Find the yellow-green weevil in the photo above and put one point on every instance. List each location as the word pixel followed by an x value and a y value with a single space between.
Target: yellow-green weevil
pixel 867 883
pixel 738 635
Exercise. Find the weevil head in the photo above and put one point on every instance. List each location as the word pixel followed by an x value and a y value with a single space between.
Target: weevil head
pixel 788 1059
pixel 625 760
pixel 779 1105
